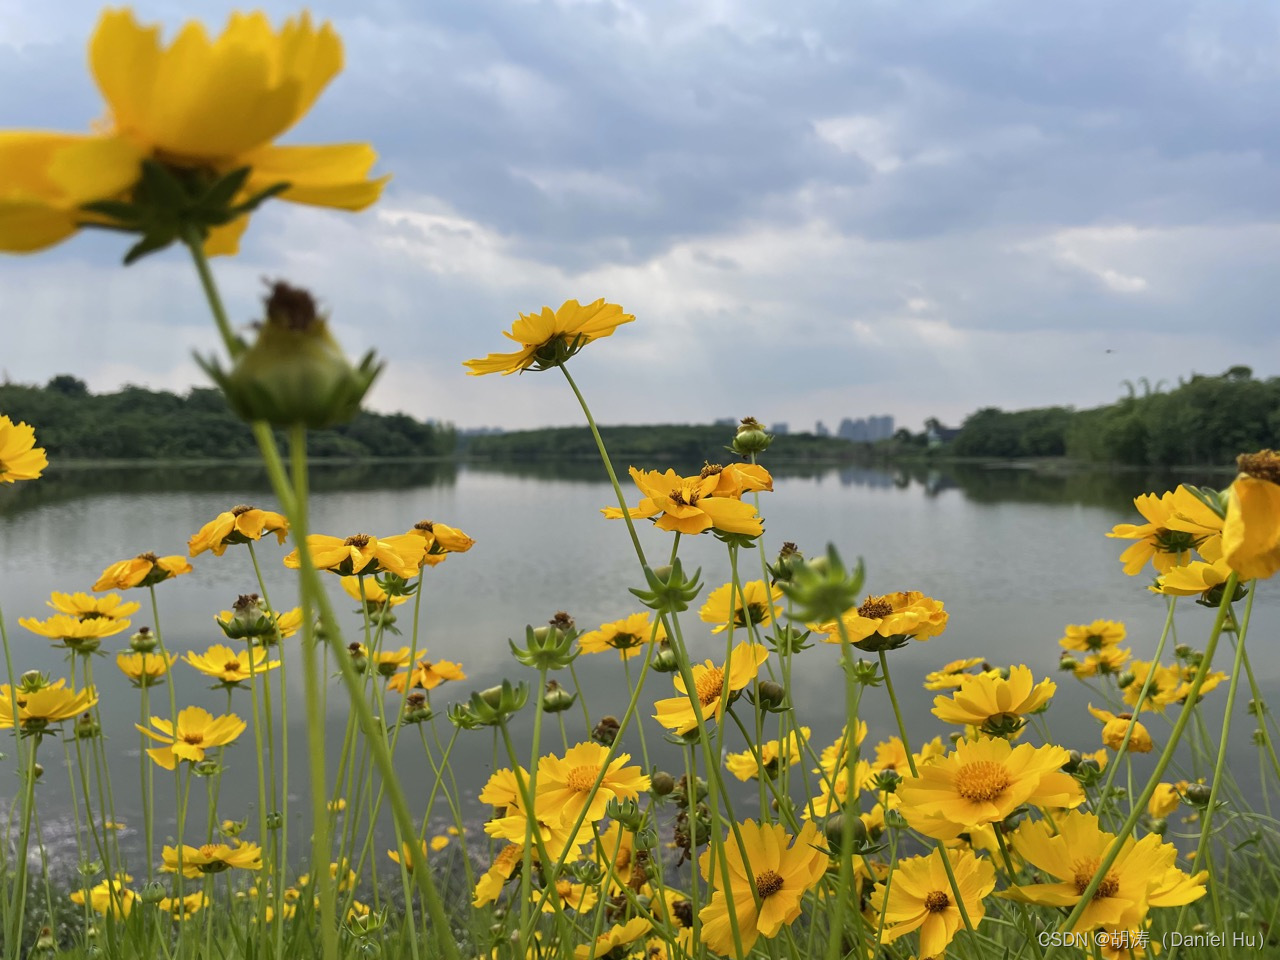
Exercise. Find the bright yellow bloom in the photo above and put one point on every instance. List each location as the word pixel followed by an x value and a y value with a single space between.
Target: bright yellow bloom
pixel 921 898
pixel 405 854
pixel 230 666
pixel 1114 728
pixel 550 827
pixel 771 758
pixel 737 478
pixel 1251 532
pixel 212 858
pixel 761 605
pixel 949 677
pixel 688 505
pixel 1143 875
pixel 181 909
pixel 676 713
pixel 1192 579
pixel 892 755
pixel 240 524
pixel 144 669
pixel 211 106
pixel 144 570
pixel 1166 799
pixel 628 636
pixel 1177 523
pixel 108 897
pixel 439 842
pixel 502 788
pixel 1167 685
pixel 374 595
pixel 833 757
pixel 427 675
pixel 1109 661
pixel 197 731
pixel 86 607
pixel 578 897
pixel 992 702
pixel 52 703
pixel 491 882
pixel 565 785
pixel 894 617
pixel 438 540
pixel 1088 637
pixel 20 458
pixel 984 781
pixel 549 338
pixel 833 790
pixel 612 939
pixel 76 634
pixel 360 553
pixel 782 875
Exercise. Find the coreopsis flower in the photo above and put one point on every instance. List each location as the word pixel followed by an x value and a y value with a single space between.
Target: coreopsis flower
pixel 735 479
pixel 771 757
pixel 427 675
pixel 1108 661
pixel 85 607
pixel 921 898
pixel 710 682
pixel 502 789
pixel 616 850
pixel 1092 637
pixel 782 871
pixel 200 108
pixel 439 540
pixel 20 458
pixel 833 756
pixel 754 603
pixel 1166 799
pixel 1196 578
pixel 887 621
pixel 145 669
pixel 405 854
pixel 384 662
pixel 240 524
pixel 565 785
pixel 1167 685
pixel 361 553
pixel 833 789
pixel 1251 531
pixel 994 704
pixel 182 908
pixel 108 896
pixel 892 755
pixel 229 666
pixel 549 826
pixel 949 677
pixel 197 730
pixel 1114 728
pixel 212 858
pixel 579 897
pixel 628 636
pixel 984 781
pixel 42 705
pixel 81 636
pixel 1178 523
pixel 688 505
pixel 489 886
pixel 549 338
pixel 619 937
pixel 1144 874
pixel 144 570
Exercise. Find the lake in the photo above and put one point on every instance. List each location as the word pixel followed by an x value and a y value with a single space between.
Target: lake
pixel 1015 555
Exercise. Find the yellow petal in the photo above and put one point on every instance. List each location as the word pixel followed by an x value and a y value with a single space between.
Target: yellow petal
pixel 1251 532
pixel 332 175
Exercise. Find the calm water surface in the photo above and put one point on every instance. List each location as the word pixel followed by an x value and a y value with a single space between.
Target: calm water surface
pixel 1014 556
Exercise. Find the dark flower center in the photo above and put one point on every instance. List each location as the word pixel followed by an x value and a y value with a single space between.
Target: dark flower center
pixel 359 541
pixel 711 470
pixel 936 901
pixel 1263 465
pixel 426 525
pixel 291 307
pixel 875 608
pixel 768 883
pixel 240 509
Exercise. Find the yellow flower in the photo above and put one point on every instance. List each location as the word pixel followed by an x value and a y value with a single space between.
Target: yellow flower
pixel 833 757
pixel 892 755
pixel 1088 637
pixel 782 875
pixel 439 842
pixel 612 939
pixel 374 595
pixel 687 505
pixel 1177 523
pixel 748 766
pixel 1108 661
pixel 833 790
pixel 491 882
pixel 578 897
pixel 108 897
pixel 144 669
pixel 921 898
pixel 1192 579
pixel 181 909
pixel 240 524
pixel 616 850
pixel 144 570
pixel 197 731
pixel 229 666
pixel 212 858
pixel 360 553
pixel 628 636
pixel 51 703
pixel 1251 532
pixel 676 713
pixel 549 338
pixel 86 607
pixel 565 785
pixel 1115 726
pixel 1166 799
pixel 890 620
pixel 502 788
pixel 984 781
pixel 1167 685
pixel 1142 876
pixel 206 106
pixel 405 854
pixel 438 541
pixel 997 705
pixel 950 676
pixel 737 478
pixel 427 675
pixel 20 458
pixel 761 605
pixel 82 636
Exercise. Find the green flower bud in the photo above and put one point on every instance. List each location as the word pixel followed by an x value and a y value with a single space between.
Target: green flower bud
pixel 606 731
pixel 750 438
pixel 664 661
pixel 153 891
pixel 144 641
pixel 840 828
pixel 1198 794
pixel 1125 679
pixel 661 783
pixel 1159 825
pixel 556 699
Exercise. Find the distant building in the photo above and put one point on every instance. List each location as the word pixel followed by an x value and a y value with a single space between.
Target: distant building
pixel 821 430
pixel 936 434
pixel 866 429
pixel 779 429
pixel 726 422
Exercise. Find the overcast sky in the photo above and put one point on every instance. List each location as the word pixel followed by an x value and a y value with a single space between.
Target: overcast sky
pixel 814 209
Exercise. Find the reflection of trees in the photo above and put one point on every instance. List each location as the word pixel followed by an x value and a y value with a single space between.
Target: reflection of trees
pixel 72 483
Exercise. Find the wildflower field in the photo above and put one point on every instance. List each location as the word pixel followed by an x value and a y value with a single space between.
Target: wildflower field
pixel 747 833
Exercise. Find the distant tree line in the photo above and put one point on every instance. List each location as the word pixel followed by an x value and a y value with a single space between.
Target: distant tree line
pixel 135 423
pixel 1203 420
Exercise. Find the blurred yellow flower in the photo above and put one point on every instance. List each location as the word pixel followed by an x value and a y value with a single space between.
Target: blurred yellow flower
pixel 144 570
pixel 1108 661
pixel 427 675
pixel 1251 532
pixel 373 592
pixel 108 897
pixel 1166 799
pixel 212 858
pixel 771 758
pixel 949 677
pixel 688 505
pixel 51 703
pixel 628 636
pixel 86 607
pixel 360 553
pixel 144 669
pixel 197 730
pixel 1087 637
pixel 76 634
pixel 618 937
pixel 760 605
pixel 1114 728
pixel 20 458
pixel 240 524
pixel 550 337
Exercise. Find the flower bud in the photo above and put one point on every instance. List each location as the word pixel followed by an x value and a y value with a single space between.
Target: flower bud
pixel 664 661
pixel 606 731
pixel 86 727
pixel 661 783
pixel 1159 825
pixel 556 699
pixel 144 641
pixel 751 438
pixel 1125 679
pixel 1198 794
pixel 37 770
pixel 1068 662
pixel 153 891
pixel 771 694
pixel 836 828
